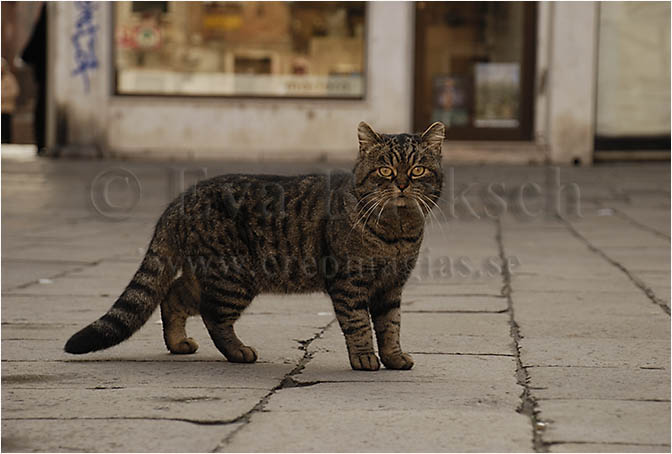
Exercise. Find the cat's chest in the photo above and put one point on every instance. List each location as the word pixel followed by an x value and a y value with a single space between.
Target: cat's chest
pixel 392 240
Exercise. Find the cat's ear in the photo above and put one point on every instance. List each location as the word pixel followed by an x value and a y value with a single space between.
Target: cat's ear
pixel 434 135
pixel 367 136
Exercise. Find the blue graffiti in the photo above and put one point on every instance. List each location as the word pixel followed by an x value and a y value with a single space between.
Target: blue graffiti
pixel 84 42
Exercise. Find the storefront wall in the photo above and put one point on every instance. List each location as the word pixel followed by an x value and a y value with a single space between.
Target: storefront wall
pixel 85 115
pixel 569 82
pixel 247 128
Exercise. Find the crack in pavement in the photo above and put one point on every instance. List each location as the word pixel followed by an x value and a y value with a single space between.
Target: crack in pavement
pixel 636 223
pixel 243 420
pixel 619 443
pixel 119 360
pixel 131 387
pixel 286 382
pixel 322 382
pixel 528 404
pixel 421 311
pixel 507 355
pixel 529 366
pixel 609 399
pixel 39 324
pixel 635 280
pixel 450 295
pixel 55 276
pixel 200 422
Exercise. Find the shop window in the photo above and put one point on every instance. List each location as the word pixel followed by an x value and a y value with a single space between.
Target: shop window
pixel 266 49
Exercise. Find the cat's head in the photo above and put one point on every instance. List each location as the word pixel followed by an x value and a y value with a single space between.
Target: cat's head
pixel 402 170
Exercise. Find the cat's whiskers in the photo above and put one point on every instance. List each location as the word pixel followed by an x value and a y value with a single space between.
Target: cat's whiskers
pixel 366 208
pixel 417 195
pixel 427 207
pixel 370 197
pixel 366 198
pixel 368 215
pixel 382 209
pixel 429 199
pixel 417 204
pixel 422 197
pixel 379 196
pixel 385 196
pixel 369 206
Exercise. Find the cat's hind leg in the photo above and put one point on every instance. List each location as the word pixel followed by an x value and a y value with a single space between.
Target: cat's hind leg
pixel 182 302
pixel 223 300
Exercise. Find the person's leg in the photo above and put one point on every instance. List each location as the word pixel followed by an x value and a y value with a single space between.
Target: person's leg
pixel 6 128
pixel 40 117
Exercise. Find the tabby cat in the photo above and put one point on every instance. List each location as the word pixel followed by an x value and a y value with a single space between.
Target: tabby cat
pixel 355 236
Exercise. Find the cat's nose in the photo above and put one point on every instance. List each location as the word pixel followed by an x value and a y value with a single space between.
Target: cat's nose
pixel 402 184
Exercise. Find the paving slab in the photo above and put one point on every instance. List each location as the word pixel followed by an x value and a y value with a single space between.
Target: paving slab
pixel 599 383
pixel 585 352
pixel 462 287
pixel 326 430
pixel 583 304
pixel 454 303
pixel 607 421
pixel 110 373
pixel 572 284
pixel 109 435
pixel 632 248
pixel 398 395
pixel 333 366
pixel 608 447
pixel 606 326
pixel 147 402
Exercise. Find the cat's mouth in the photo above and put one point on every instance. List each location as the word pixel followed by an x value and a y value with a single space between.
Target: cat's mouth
pixel 401 201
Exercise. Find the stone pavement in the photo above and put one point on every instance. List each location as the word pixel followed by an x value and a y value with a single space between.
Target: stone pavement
pixel 565 349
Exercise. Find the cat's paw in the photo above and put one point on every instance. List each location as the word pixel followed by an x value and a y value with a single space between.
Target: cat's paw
pixel 186 346
pixel 364 361
pixel 242 354
pixel 402 361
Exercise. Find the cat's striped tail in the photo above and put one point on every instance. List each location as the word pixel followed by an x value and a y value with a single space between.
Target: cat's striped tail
pixel 133 308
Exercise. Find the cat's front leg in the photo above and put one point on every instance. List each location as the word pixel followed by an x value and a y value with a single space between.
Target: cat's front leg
pixel 386 313
pixel 351 307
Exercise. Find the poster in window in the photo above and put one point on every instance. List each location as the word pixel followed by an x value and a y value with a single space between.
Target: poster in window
pixel 497 95
pixel 449 105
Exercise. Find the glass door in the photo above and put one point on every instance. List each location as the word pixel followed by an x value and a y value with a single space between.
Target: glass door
pixel 475 68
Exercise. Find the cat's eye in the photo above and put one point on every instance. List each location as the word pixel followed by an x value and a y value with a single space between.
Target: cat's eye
pixel 385 172
pixel 418 171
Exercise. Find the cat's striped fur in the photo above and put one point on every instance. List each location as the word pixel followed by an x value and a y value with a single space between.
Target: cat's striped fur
pixel 355 236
